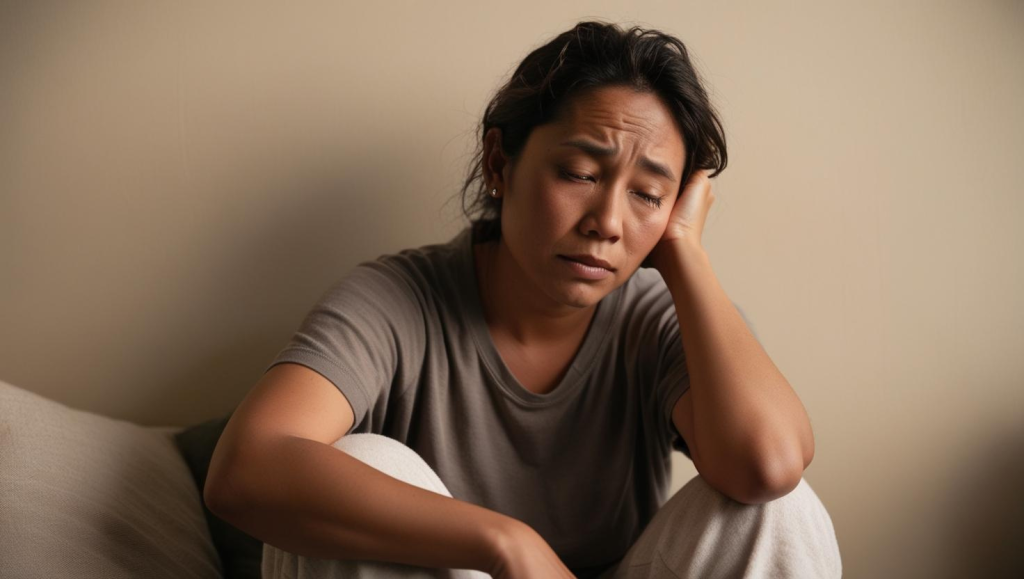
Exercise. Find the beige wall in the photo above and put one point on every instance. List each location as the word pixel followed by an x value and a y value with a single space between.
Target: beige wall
pixel 179 184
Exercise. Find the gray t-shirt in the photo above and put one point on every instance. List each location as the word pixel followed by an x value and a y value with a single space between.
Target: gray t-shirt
pixel 586 465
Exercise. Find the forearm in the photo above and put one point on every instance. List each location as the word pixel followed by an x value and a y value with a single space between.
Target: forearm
pixel 751 431
pixel 311 499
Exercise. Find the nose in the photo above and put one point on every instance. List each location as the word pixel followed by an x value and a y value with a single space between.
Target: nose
pixel 603 219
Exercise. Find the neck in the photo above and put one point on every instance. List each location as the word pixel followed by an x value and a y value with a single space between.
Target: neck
pixel 517 308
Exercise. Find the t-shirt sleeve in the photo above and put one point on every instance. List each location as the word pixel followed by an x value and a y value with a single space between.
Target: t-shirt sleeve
pixel 365 334
pixel 673 375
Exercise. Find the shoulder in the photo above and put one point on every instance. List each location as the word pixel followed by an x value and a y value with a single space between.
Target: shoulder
pixel 424 260
pixel 417 273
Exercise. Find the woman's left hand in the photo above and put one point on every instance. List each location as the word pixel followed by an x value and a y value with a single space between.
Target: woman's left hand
pixel 686 220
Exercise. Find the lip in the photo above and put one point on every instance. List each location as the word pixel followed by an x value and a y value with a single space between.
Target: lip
pixel 583 271
pixel 590 260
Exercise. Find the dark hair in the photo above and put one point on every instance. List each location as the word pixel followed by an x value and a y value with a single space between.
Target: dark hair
pixel 589 56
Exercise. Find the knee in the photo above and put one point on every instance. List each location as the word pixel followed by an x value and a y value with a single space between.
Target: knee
pixel 800 504
pixel 393 458
pixel 793 532
pixel 798 516
pixel 801 497
pixel 699 488
pixel 802 507
pixel 703 509
pixel 362 440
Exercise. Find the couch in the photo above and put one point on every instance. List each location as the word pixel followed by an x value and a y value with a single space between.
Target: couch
pixel 85 495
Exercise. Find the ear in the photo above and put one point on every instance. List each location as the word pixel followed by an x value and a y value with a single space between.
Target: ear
pixel 494 161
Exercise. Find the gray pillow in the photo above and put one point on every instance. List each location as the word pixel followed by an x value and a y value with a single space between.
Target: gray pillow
pixel 85 495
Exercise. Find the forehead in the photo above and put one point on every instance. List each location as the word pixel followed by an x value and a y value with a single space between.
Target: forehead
pixel 617 114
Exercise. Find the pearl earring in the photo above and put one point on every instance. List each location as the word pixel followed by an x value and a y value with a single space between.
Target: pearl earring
pixel 494 192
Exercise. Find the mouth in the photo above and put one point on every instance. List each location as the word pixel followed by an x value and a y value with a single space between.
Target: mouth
pixel 589 261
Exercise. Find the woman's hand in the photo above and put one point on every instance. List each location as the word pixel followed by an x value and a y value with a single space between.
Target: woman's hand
pixel 524 554
pixel 686 220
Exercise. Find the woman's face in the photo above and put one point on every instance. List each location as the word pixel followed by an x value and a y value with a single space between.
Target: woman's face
pixel 601 181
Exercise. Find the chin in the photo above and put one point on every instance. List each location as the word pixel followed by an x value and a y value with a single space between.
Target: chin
pixel 584 295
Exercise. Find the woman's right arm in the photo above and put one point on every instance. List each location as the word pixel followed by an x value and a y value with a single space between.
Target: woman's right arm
pixel 275 476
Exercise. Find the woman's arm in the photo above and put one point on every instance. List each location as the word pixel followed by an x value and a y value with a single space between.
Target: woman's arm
pixel 275 475
pixel 749 429
pixel 308 498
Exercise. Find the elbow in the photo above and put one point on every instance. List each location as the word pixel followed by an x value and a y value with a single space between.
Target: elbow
pixel 773 476
pixel 753 485
pixel 778 469
pixel 766 487
pixel 223 492
pixel 761 476
pixel 213 499
pixel 219 502
pixel 808 451
pixel 763 472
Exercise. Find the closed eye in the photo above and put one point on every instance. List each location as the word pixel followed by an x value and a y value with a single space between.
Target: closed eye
pixel 649 199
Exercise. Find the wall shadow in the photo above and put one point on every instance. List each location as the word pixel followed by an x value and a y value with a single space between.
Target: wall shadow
pixel 986 530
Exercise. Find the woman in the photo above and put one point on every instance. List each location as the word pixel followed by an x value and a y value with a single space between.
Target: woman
pixel 510 398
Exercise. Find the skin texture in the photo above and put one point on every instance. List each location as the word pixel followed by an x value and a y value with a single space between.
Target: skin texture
pixel 545 213
pixel 537 309
pixel 748 433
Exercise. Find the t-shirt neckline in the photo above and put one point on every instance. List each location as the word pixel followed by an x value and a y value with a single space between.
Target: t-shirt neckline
pixel 473 316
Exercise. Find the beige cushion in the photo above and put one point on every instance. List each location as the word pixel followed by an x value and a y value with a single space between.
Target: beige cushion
pixel 84 495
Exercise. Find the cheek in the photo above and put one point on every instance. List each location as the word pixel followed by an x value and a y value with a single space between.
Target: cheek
pixel 553 206
pixel 646 233
pixel 660 224
pixel 539 214
pixel 562 208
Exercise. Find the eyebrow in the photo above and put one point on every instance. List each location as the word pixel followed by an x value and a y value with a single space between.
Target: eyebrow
pixel 599 151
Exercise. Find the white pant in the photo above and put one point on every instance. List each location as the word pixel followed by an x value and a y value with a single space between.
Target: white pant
pixel 697 533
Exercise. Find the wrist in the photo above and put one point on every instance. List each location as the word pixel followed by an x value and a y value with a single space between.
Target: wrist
pixel 672 254
pixel 499 536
